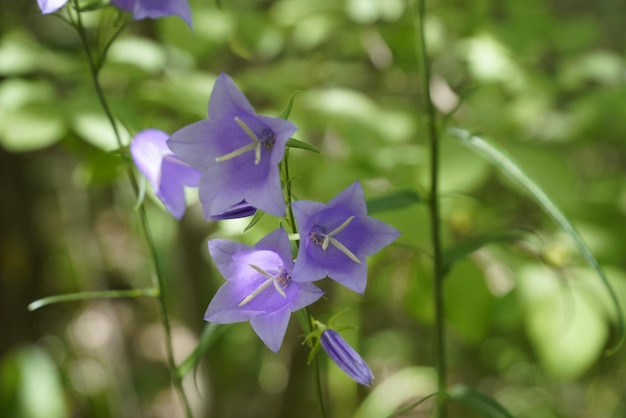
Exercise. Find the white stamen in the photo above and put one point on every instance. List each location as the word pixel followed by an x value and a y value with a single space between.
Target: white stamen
pixel 279 289
pixel 256 292
pixel 245 127
pixel 236 153
pixel 344 250
pixel 335 232
pixel 330 240
pixel 270 279
pixel 256 145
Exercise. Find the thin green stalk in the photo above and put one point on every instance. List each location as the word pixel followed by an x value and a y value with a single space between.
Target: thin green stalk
pixel 160 282
pixel 149 292
pixel 306 322
pixel 433 206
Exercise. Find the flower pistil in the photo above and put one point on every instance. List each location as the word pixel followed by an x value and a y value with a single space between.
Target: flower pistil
pixel 280 282
pixel 319 237
pixel 267 141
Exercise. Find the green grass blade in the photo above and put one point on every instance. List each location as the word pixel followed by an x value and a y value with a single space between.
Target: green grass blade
pixel 209 335
pixel 396 200
pixel 411 406
pixel 255 219
pixel 515 173
pixel 462 249
pixel 287 111
pixel 103 294
pixel 487 407
pixel 296 143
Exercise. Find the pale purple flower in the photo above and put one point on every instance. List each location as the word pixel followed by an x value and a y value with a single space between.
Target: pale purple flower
pixel 259 286
pixel 237 151
pixel 153 9
pixel 167 174
pixel 336 237
pixel 51 6
pixel 345 357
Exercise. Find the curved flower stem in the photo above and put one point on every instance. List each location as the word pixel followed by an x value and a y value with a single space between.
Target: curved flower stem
pixel 303 314
pixel 158 282
pixel 433 205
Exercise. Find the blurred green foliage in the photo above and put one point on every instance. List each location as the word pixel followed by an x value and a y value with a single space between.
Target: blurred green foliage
pixel 527 322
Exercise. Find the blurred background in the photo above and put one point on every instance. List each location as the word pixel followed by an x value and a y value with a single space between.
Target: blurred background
pixel 527 320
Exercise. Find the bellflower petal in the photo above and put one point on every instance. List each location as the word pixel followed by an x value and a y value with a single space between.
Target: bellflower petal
pixel 259 288
pixel 51 6
pixel 345 357
pixel 165 172
pixel 336 237
pixel 154 9
pixel 237 151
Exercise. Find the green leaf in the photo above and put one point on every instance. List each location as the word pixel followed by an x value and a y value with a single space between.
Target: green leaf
pixel 296 143
pixel 396 200
pixel 462 249
pixel 32 127
pixel 255 219
pixel 287 111
pixel 487 407
pixel 210 333
pixel 103 294
pixel 398 390
pixel 565 325
pixel 515 173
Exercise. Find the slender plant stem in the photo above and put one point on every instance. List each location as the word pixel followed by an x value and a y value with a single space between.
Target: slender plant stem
pixel 159 280
pixel 306 324
pixel 433 205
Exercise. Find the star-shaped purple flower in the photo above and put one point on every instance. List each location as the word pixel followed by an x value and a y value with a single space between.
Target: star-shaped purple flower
pixel 259 286
pixel 50 6
pixel 237 151
pixel 153 9
pixel 336 237
pixel 167 174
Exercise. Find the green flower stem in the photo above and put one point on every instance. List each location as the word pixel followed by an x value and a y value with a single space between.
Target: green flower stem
pixel 159 282
pixel 149 292
pixel 303 314
pixel 433 205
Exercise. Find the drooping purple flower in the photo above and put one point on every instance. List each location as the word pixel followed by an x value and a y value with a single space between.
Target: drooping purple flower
pixel 345 357
pixel 240 210
pixel 336 237
pixel 167 174
pixel 259 286
pixel 51 6
pixel 237 151
pixel 153 9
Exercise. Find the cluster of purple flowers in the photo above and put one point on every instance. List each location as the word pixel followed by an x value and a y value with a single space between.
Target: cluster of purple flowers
pixel 235 155
pixel 233 158
pixel 140 9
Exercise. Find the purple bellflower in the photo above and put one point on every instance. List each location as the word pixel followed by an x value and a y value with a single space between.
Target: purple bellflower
pixel 336 237
pixel 237 152
pixel 345 357
pixel 153 9
pixel 259 286
pixel 140 9
pixel 167 174
pixel 51 6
